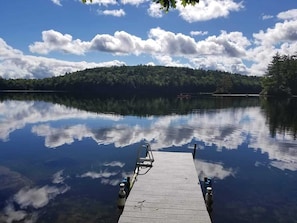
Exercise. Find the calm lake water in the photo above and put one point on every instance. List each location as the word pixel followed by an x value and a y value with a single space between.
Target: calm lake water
pixel 62 158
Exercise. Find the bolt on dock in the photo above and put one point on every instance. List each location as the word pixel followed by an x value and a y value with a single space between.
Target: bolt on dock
pixel 169 191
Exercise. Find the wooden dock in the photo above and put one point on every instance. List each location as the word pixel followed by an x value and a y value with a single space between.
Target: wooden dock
pixel 169 192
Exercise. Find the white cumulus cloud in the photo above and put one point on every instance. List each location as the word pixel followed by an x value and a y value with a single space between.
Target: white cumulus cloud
pixel 15 64
pixel 288 15
pixel 208 9
pixel 133 2
pixel 116 13
pixel 102 2
pixel 57 2
pixel 198 33
pixel 229 51
pixel 154 10
pixel 53 40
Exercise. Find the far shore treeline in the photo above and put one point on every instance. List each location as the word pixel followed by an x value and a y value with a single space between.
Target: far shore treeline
pixel 140 79
pixel 280 80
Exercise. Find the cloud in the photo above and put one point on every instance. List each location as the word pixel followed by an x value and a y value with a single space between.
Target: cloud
pixel 289 165
pixel 122 43
pixel 233 44
pixel 282 150
pixel 212 170
pixel 198 33
pixel 115 164
pixel 282 33
pixel 169 43
pixel 208 10
pixel 58 177
pixel 205 10
pixel 107 177
pixel 159 42
pixel 228 51
pixel 55 137
pixel 14 64
pixel 279 39
pixel 102 2
pixel 155 11
pixel 57 2
pixel 10 215
pixel 169 61
pixel 167 47
pixel 95 175
pixel 28 198
pixel 116 13
pixel 38 197
pixel 166 135
pixel 265 17
pixel 133 2
pixel 224 128
pixel 16 115
pixel 53 40
pixel 288 15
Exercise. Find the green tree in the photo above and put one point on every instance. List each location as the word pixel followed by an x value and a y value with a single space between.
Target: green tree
pixel 225 85
pixel 281 76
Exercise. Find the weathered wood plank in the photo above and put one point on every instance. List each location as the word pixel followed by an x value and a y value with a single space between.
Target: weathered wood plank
pixel 169 192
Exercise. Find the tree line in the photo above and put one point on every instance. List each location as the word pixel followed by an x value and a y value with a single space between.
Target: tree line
pixel 281 76
pixel 140 79
pixel 136 106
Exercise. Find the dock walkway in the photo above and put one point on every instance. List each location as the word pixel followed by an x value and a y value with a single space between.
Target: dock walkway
pixel 169 192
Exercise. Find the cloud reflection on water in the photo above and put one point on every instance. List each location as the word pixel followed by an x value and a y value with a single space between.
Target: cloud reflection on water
pixel 224 128
pixel 106 176
pixel 17 114
pixel 212 170
pixel 38 197
pixel 24 205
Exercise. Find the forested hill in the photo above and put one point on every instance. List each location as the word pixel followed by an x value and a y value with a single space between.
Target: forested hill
pixel 140 79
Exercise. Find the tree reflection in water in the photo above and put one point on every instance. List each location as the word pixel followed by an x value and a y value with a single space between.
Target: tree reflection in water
pixel 281 116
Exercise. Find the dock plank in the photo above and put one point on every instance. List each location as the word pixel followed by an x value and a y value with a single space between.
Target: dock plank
pixel 169 192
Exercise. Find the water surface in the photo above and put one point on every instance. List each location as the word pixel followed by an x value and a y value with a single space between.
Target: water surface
pixel 62 160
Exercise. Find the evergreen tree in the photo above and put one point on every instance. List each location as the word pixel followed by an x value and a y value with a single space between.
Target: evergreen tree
pixel 281 76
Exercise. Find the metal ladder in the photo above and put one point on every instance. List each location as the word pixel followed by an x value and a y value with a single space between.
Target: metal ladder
pixel 146 161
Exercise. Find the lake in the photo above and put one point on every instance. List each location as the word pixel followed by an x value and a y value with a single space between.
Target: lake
pixel 62 157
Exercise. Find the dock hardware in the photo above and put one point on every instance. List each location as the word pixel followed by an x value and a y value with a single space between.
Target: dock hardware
pixel 145 156
pixel 145 160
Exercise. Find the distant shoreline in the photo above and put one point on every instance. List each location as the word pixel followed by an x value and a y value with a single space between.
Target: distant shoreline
pixel 235 95
pixel 191 94
pixel 30 91
pixel 181 95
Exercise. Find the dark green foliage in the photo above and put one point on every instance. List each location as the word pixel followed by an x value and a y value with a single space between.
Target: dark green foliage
pixel 135 106
pixel 281 115
pixel 141 79
pixel 281 76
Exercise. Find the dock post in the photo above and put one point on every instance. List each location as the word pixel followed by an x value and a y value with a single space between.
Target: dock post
pixel 194 151
pixel 122 196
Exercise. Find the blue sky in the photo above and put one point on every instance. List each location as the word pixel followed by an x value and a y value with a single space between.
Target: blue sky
pixel 44 38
